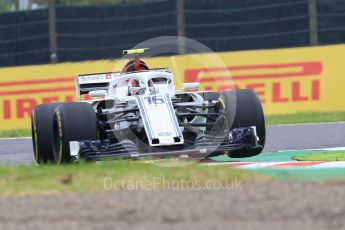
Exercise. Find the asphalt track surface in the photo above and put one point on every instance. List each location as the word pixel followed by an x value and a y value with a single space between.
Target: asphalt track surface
pixel 278 138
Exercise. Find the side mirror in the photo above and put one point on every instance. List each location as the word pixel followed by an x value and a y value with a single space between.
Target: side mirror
pixel 191 86
pixel 98 93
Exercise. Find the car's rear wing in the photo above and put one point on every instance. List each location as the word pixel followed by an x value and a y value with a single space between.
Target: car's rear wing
pixel 90 82
pixel 100 81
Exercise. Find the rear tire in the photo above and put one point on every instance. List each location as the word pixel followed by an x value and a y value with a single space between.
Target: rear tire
pixel 242 109
pixel 42 132
pixel 76 121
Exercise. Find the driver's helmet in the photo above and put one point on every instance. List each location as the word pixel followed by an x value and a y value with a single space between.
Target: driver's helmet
pixel 135 88
pixel 135 65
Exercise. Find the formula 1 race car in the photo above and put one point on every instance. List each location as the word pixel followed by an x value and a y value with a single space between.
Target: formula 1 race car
pixel 136 113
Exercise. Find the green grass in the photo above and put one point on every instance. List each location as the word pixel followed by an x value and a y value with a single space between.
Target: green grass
pixel 270 120
pixel 117 175
pixel 322 156
pixel 305 118
pixel 15 133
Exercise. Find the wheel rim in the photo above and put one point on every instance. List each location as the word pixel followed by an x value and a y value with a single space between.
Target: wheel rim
pixel 34 137
pixel 57 139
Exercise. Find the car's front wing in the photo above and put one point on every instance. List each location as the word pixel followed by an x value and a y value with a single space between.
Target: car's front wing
pixel 236 139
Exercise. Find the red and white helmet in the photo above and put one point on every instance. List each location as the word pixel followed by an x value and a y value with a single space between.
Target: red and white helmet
pixel 134 87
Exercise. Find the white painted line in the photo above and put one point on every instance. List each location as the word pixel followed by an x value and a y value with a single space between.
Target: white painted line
pixel 332 149
pixel 301 150
pixel 259 165
pixel 332 164
pixel 282 165
pixel 14 138
pixel 307 124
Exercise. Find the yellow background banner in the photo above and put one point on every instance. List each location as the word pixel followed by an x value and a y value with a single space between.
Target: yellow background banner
pixel 287 80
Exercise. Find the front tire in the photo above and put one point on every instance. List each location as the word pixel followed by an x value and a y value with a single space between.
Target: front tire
pixel 243 108
pixel 42 132
pixel 76 121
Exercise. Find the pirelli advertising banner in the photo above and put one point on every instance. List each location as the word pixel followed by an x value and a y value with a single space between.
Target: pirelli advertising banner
pixel 286 80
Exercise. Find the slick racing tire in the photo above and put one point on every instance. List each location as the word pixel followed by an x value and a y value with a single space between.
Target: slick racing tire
pixel 42 132
pixel 243 108
pixel 76 121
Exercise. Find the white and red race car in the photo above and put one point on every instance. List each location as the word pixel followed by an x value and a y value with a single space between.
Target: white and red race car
pixel 137 113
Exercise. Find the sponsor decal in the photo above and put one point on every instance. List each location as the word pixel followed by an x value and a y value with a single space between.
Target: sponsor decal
pixel 98 77
pixel 164 134
pixel 19 98
pixel 274 83
pixel 108 76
